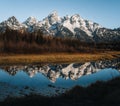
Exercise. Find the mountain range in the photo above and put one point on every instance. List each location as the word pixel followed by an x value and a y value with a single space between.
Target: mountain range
pixel 68 26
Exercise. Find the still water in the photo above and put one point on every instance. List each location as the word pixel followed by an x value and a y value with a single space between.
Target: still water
pixel 54 79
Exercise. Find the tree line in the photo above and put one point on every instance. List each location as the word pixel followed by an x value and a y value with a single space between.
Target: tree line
pixel 13 41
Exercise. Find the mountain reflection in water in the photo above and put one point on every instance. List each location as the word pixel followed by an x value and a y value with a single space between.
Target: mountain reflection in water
pixel 52 79
pixel 71 71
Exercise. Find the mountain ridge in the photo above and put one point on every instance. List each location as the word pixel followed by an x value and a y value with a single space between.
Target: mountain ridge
pixel 68 26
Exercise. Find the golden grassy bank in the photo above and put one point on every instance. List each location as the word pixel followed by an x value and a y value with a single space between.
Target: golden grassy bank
pixel 55 58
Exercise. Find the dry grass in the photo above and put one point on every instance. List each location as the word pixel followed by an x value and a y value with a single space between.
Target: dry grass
pixel 55 58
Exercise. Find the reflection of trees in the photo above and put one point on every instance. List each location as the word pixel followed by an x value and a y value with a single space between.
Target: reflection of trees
pixel 69 71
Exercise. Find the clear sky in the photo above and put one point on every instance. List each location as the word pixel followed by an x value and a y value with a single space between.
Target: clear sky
pixel 104 12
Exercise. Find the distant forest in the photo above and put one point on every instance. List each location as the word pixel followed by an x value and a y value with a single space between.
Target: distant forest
pixel 27 43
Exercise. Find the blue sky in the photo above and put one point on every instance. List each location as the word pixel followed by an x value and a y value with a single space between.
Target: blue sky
pixel 104 12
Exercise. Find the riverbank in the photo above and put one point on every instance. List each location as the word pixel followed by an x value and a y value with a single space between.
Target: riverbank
pixel 18 59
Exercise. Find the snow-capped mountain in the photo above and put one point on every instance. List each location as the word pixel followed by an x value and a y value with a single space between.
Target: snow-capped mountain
pixel 30 24
pixel 68 26
pixel 11 23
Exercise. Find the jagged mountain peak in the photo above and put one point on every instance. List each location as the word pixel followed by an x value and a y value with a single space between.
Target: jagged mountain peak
pixel 75 16
pixel 30 21
pixel 30 24
pixel 13 21
pixel 53 13
pixel 31 18
pixel 12 17
pixel 68 26
pixel 53 18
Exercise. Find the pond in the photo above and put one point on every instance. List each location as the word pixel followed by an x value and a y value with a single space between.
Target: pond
pixel 54 79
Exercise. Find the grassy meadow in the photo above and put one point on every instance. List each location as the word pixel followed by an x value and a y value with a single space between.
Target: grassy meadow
pixel 22 59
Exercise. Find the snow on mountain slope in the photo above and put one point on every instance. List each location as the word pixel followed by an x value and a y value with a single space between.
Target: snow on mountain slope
pixel 76 21
pixel 32 24
pixel 53 18
pixel 68 26
pixel 11 23
pixel 30 21
pixel 51 22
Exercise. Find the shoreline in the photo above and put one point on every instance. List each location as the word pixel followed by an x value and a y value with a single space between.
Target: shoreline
pixel 25 59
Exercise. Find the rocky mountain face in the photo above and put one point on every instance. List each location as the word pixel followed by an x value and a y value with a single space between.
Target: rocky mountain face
pixel 68 26
pixel 67 71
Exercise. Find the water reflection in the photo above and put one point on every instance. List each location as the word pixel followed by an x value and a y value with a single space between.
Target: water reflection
pixel 66 71
pixel 55 78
